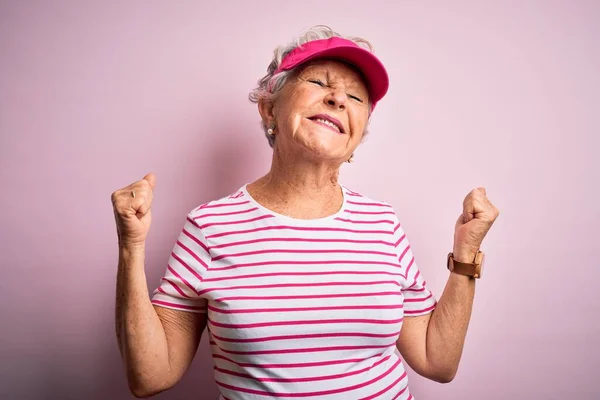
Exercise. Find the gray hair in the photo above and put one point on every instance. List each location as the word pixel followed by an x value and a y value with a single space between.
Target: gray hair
pixel 271 84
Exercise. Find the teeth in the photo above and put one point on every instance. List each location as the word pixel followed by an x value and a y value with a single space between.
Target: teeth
pixel 328 123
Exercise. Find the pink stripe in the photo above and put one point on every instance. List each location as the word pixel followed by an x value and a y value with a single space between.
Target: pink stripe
pixel 237 195
pixel 382 221
pixel 318 273
pixel 307 322
pixel 183 307
pixel 192 271
pixel 310 296
pixel 410 264
pixel 369 204
pixel 267 310
pixel 175 287
pixel 182 279
pixel 195 239
pixel 410 397
pixel 354 194
pixel 415 280
pixel 227 213
pixel 308 394
pixel 305 336
pixel 423 286
pixel 302 240
pixel 294 251
pixel 386 389
pixel 240 221
pixel 307 379
pixel 296 228
pixel 191 221
pixel 191 253
pixel 400 240
pixel 417 300
pixel 403 253
pixel 297 365
pixel 310 284
pixel 224 204
pixel 318 262
pixel 370 212
pixel 397 227
pixel 410 288
pixel 419 311
pixel 301 350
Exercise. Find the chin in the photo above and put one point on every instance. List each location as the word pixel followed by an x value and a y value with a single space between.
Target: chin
pixel 320 146
pixel 323 153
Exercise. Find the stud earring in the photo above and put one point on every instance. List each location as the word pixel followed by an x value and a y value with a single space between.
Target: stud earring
pixel 271 131
pixel 351 159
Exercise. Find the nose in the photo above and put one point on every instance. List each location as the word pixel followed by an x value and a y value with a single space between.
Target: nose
pixel 336 98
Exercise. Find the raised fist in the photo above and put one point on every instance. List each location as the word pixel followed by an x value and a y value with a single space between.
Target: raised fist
pixel 131 206
pixel 473 223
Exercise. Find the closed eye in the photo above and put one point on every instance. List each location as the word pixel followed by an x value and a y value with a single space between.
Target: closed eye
pixel 317 82
pixel 355 98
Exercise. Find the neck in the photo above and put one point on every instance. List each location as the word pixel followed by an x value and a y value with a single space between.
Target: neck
pixel 299 187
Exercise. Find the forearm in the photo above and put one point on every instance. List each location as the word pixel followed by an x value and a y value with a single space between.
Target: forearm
pixel 140 334
pixel 448 325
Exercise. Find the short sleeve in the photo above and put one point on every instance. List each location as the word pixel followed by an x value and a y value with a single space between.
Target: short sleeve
pixel 188 262
pixel 418 299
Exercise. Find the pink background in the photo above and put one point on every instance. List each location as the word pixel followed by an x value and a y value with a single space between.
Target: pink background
pixel 504 94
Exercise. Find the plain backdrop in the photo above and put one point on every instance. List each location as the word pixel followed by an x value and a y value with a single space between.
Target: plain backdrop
pixel 504 95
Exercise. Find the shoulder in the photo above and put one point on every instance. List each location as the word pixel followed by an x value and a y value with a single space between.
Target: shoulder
pixel 223 205
pixel 356 199
pixel 358 203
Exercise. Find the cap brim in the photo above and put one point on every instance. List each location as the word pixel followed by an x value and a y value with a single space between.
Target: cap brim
pixel 370 66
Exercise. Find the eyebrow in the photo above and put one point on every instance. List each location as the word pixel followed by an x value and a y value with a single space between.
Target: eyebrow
pixel 355 85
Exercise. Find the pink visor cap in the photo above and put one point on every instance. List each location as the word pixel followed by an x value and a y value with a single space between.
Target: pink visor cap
pixel 346 50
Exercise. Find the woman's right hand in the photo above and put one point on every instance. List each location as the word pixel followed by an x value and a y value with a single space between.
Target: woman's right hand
pixel 131 206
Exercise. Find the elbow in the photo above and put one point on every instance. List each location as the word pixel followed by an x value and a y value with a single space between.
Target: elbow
pixel 440 373
pixel 143 392
pixel 443 378
pixel 144 388
pixel 443 375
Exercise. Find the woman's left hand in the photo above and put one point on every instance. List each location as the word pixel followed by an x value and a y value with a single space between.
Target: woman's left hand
pixel 473 224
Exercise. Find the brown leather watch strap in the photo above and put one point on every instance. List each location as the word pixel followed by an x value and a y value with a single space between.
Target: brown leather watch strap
pixel 472 269
pixel 464 269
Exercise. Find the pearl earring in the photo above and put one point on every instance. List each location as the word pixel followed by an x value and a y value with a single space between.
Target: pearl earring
pixel 271 131
pixel 351 159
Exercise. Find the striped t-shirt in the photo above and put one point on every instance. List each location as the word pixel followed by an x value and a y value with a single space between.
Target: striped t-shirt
pixel 297 308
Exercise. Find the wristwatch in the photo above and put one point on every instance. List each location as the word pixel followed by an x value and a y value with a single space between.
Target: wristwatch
pixel 473 269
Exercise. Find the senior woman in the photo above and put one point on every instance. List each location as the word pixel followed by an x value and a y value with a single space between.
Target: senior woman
pixel 306 288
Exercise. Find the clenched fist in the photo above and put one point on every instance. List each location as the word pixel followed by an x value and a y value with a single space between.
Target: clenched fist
pixel 131 206
pixel 473 224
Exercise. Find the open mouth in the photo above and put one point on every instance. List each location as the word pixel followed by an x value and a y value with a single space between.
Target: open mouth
pixel 328 122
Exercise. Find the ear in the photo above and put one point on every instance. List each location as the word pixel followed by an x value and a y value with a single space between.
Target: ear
pixel 265 108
